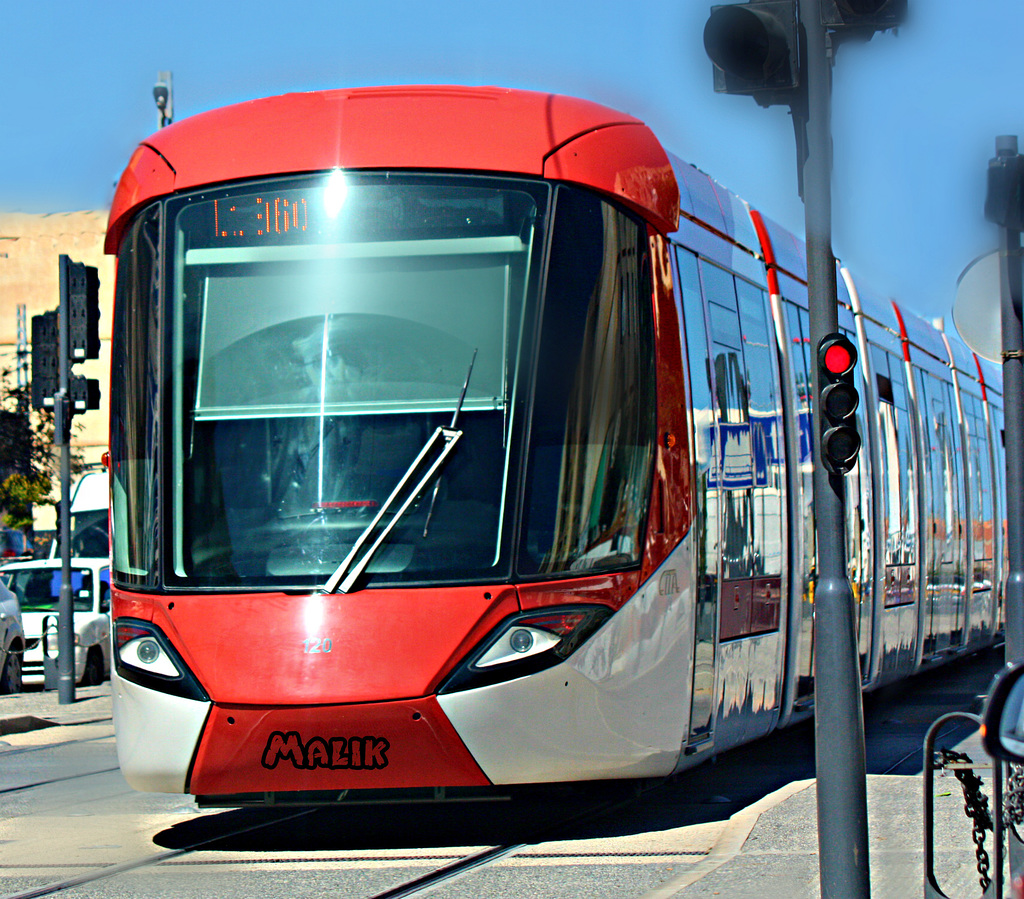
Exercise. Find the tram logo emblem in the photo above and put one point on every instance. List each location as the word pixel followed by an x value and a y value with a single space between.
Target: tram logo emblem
pixel 668 584
pixel 359 753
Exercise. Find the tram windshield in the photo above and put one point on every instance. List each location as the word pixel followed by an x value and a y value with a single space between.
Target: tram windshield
pixel 315 333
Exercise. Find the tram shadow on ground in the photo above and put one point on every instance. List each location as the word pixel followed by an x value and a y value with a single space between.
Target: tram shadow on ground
pixel 896 720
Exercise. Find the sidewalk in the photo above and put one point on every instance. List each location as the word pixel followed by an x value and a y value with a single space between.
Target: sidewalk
pixel 35 708
pixel 771 847
pixel 777 855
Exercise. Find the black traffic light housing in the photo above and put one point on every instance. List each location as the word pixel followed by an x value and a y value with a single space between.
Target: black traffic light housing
pixel 840 441
pixel 1004 202
pixel 45 359
pixel 84 311
pixel 80 308
pixel 866 16
pixel 755 48
pixel 81 283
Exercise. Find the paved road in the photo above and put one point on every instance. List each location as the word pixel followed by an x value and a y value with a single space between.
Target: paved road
pixel 65 811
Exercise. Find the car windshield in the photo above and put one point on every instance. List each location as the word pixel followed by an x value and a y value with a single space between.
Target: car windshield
pixel 38 589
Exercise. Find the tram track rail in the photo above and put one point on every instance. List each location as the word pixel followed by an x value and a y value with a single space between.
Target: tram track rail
pixel 56 780
pixel 10 751
pixel 21 750
pixel 458 866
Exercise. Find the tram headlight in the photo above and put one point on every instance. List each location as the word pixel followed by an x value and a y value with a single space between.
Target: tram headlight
pixel 138 646
pixel 521 640
pixel 527 643
pixel 142 654
pixel 148 652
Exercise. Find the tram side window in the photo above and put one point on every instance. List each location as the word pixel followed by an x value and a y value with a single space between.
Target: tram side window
pixel 982 511
pixel 134 417
pixel 765 408
pixel 747 427
pixel 897 470
pixel 943 509
pixel 592 435
pixel 732 437
pixel 796 319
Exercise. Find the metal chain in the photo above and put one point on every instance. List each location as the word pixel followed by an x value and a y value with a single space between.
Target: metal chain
pixel 975 807
pixel 1013 795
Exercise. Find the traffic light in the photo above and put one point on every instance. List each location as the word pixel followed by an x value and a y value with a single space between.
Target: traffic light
pixel 45 359
pixel 755 48
pixel 1004 202
pixel 84 310
pixel 80 308
pixel 81 285
pixel 840 442
pixel 866 16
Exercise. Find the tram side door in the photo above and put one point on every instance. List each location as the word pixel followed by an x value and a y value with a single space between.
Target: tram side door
pixel 706 512
pixel 740 541
pixel 943 513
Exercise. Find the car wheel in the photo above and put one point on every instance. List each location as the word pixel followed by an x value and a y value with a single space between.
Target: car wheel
pixel 93 675
pixel 10 677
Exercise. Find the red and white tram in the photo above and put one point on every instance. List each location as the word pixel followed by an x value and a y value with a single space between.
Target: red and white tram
pixel 460 438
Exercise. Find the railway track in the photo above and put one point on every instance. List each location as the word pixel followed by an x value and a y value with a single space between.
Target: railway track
pixel 368 852
pixel 455 868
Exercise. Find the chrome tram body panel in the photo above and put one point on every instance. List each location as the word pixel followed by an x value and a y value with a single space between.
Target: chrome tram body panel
pixel 617 708
pixel 750 688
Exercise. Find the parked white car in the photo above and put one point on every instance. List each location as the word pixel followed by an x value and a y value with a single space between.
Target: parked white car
pixel 37 588
pixel 12 642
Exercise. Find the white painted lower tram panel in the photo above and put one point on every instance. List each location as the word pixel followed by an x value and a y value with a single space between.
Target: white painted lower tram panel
pixel 617 708
pixel 157 735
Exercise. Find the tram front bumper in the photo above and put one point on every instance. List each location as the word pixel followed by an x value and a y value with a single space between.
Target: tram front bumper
pixel 384 745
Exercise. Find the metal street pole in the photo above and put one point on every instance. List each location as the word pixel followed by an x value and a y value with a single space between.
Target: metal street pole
pixel 838 716
pixel 163 96
pixel 62 438
pixel 1013 398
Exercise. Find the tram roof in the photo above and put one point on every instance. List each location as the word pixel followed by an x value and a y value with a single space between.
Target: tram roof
pixel 421 127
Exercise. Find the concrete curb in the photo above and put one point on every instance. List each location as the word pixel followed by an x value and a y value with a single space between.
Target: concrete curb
pixel 23 724
pixel 729 843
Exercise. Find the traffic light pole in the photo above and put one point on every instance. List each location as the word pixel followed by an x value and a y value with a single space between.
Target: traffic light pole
pixel 1013 392
pixel 839 717
pixel 62 438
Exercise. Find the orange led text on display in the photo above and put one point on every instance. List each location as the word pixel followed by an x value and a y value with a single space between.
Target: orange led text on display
pixel 265 217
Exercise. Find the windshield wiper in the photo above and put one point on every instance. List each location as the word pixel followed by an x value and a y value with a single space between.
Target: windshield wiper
pixel 455 421
pixel 344 579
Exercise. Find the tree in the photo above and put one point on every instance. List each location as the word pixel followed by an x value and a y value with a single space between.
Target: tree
pixel 28 466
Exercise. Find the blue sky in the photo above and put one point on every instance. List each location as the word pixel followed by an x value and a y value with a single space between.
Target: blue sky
pixel 915 115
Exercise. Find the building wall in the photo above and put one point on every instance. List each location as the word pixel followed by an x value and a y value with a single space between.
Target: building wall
pixel 29 247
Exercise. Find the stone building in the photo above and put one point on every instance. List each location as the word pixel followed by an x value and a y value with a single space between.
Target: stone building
pixel 29 247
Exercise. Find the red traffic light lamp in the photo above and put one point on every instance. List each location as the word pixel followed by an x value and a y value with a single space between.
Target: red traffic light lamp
pixel 840 441
pixel 837 359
